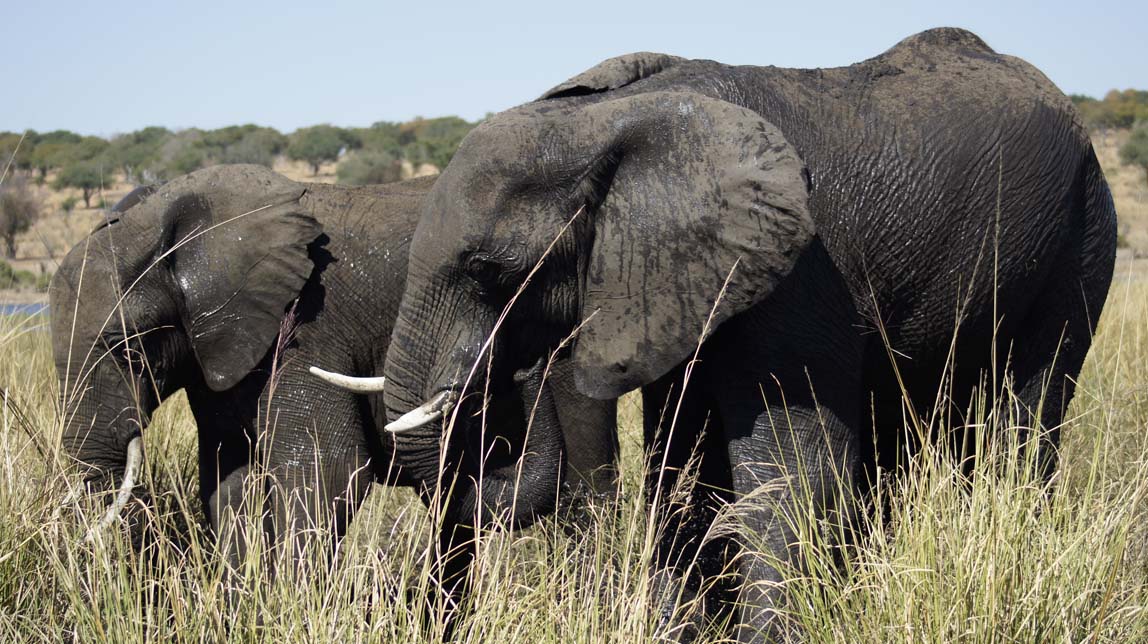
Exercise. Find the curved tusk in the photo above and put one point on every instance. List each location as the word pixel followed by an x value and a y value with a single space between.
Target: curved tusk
pixel 350 383
pixel 135 459
pixel 430 411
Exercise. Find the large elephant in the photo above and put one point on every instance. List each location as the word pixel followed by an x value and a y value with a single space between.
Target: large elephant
pixel 814 238
pixel 228 283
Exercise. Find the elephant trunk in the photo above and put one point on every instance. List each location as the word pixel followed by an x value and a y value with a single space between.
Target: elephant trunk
pixel 493 458
pixel 521 456
pixel 103 434
pixel 99 428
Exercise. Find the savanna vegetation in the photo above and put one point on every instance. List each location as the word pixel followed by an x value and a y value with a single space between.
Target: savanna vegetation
pixel 991 553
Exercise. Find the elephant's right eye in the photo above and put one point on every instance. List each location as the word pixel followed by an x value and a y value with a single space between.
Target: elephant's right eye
pixel 483 270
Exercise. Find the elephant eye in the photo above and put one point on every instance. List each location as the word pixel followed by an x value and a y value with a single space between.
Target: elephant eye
pixel 483 270
pixel 133 358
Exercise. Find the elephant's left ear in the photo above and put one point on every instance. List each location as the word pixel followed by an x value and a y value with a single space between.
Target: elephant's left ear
pixel 238 241
pixel 705 213
pixel 614 73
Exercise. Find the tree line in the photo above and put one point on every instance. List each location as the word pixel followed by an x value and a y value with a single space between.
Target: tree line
pixel 365 155
pixel 64 159
pixel 153 154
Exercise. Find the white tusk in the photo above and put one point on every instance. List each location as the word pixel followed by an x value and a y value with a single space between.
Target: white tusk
pixel 135 459
pixel 430 411
pixel 350 383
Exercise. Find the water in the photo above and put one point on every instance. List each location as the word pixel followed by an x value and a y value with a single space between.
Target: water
pixel 35 308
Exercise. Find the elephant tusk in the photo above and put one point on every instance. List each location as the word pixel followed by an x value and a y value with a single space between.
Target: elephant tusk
pixel 350 383
pixel 135 459
pixel 430 411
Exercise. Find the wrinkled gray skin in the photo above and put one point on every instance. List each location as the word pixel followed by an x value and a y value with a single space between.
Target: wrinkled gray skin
pixel 876 195
pixel 324 264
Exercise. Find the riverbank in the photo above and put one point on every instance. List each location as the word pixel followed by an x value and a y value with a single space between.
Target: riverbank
pixel 23 297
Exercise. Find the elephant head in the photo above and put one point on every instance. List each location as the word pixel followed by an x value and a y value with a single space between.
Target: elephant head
pixel 641 215
pixel 184 285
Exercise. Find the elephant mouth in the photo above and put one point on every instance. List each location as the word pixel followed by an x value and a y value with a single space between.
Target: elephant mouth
pixel 433 410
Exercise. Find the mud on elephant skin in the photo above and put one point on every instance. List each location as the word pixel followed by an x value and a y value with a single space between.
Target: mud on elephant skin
pixel 938 190
pixel 227 283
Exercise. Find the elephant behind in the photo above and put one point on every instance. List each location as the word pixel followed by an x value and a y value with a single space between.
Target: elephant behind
pixel 228 283
pixel 931 216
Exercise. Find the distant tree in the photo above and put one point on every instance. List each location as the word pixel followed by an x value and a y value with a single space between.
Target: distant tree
pixel 258 145
pixel 367 167
pixel 1135 150
pixel 434 140
pixel 1118 108
pixel 89 148
pixel 87 176
pixel 137 152
pixel 181 153
pixel 318 144
pixel 382 136
pixel 19 209
pixel 48 156
pixel 16 149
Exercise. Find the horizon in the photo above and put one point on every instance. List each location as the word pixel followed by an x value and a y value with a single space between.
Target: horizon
pixel 117 69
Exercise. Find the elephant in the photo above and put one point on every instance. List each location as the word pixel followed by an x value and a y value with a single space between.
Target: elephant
pixel 227 283
pixel 779 259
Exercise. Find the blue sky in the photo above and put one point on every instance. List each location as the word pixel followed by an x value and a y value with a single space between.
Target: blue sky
pixel 103 67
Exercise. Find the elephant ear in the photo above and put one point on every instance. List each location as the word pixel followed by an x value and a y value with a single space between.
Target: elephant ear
pixel 702 195
pixel 613 73
pixel 237 239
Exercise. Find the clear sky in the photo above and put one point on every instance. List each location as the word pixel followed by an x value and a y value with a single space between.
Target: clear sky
pixel 103 67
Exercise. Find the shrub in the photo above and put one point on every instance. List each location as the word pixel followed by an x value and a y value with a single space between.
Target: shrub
pixel 318 144
pixel 19 209
pixel 86 176
pixel 138 152
pixel 1118 109
pixel 369 167
pixel 13 280
pixel 1135 150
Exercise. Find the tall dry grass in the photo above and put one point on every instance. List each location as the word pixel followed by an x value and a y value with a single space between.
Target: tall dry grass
pixel 996 556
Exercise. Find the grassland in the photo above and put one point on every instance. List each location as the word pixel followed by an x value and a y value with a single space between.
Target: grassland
pixel 998 556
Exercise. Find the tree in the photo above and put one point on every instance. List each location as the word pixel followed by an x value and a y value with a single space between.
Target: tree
pixel 368 167
pixel 1135 150
pixel 1118 109
pixel 258 145
pixel 19 209
pixel 382 136
pixel 181 153
pixel 16 149
pixel 50 156
pixel 87 176
pixel 53 149
pixel 138 152
pixel 318 144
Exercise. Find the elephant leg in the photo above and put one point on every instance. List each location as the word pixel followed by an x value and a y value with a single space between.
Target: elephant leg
pixel 314 446
pixel 787 379
pixel 1047 356
pixel 793 463
pixel 225 456
pixel 687 483
pixel 589 430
